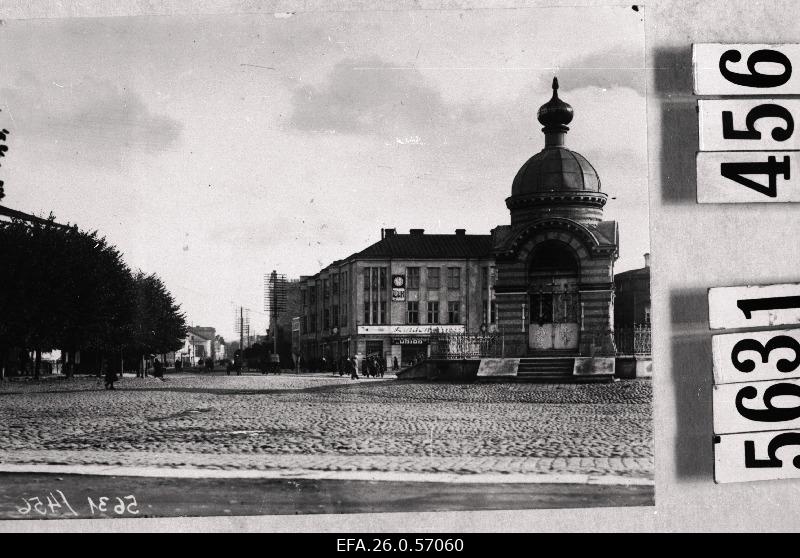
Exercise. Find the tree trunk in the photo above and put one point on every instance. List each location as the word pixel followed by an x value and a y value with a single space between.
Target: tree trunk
pixel 37 363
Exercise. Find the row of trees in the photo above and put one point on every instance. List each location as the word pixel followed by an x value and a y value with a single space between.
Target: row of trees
pixel 63 288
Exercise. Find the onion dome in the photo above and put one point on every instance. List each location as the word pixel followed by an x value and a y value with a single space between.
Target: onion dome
pixel 556 177
pixel 555 114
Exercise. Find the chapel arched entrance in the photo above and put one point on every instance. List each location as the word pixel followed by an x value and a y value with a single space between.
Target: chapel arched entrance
pixel 554 300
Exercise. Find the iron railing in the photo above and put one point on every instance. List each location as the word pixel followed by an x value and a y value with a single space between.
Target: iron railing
pixel 453 346
pixel 636 340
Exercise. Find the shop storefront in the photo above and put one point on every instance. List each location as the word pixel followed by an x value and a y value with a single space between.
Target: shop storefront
pixel 407 343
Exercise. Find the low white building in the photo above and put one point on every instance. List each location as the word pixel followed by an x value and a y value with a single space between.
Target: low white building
pixel 195 347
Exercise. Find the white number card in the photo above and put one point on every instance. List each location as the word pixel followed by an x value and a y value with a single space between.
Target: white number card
pixel 746 124
pixel 756 356
pixel 757 406
pixel 748 176
pixel 757 456
pixel 745 69
pixel 754 306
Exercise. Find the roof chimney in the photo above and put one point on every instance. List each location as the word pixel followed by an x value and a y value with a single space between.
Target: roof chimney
pixel 417 231
pixel 461 232
pixel 388 232
pixel 647 259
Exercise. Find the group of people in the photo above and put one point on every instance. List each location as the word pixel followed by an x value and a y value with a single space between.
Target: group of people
pixel 371 366
pixel 110 375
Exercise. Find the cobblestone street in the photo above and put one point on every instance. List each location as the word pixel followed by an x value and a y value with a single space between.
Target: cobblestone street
pixel 325 423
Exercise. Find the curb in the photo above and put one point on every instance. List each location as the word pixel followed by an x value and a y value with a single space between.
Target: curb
pixel 379 476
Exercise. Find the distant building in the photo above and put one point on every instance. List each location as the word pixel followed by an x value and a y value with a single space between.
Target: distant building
pixel 387 299
pixel 195 347
pixel 210 334
pixel 632 296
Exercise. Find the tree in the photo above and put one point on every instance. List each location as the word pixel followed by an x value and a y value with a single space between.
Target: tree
pixel 66 288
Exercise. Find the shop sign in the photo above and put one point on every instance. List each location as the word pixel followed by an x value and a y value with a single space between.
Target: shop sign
pixel 409 340
pixel 409 329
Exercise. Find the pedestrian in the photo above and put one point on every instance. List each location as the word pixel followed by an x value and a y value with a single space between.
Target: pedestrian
pixel 158 369
pixel 353 368
pixel 110 375
pixel 395 364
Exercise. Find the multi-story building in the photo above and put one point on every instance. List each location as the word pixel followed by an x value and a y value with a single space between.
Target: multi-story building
pixel 545 281
pixel 387 299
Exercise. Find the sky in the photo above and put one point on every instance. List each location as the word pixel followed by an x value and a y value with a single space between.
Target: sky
pixel 212 150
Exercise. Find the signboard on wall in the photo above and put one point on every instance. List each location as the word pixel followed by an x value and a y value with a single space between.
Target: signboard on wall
pixel 398 288
pixel 409 340
pixel 409 329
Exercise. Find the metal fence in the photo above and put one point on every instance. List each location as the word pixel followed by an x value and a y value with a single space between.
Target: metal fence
pixel 636 340
pixel 453 346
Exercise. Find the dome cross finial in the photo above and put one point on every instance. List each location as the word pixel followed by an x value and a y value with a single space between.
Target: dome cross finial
pixel 555 85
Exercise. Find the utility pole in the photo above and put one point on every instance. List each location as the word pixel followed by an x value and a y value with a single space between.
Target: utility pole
pixel 241 330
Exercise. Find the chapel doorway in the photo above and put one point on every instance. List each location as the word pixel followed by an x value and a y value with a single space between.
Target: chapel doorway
pixel 554 299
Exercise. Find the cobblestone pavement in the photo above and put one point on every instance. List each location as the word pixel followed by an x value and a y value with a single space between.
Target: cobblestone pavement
pixel 320 422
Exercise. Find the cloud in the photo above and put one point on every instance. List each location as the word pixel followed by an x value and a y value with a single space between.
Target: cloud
pixel 86 119
pixel 368 96
pixel 619 66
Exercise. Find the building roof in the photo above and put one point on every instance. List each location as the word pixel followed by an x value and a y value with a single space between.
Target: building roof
pixel 429 246
pixel 555 169
pixel 642 272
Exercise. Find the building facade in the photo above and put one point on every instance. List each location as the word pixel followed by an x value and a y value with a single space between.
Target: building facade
pixel 387 299
pixel 544 282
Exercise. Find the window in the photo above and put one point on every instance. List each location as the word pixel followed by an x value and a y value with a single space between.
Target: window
pixel 366 313
pixel 485 278
pixel 413 313
pixel 383 278
pixel 433 312
pixel 434 278
pixel 312 323
pixel 303 297
pixel 454 278
pixel 335 315
pixel 412 278
pixel 326 320
pixel 325 289
pixel 453 313
pixel 366 278
pixel 383 312
pixel 335 283
pixel 313 295
pixel 343 316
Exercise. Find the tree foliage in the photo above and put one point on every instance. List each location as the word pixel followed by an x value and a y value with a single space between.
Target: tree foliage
pixel 69 289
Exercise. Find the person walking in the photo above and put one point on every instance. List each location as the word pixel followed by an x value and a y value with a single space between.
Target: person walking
pixel 353 368
pixel 110 375
pixel 395 364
